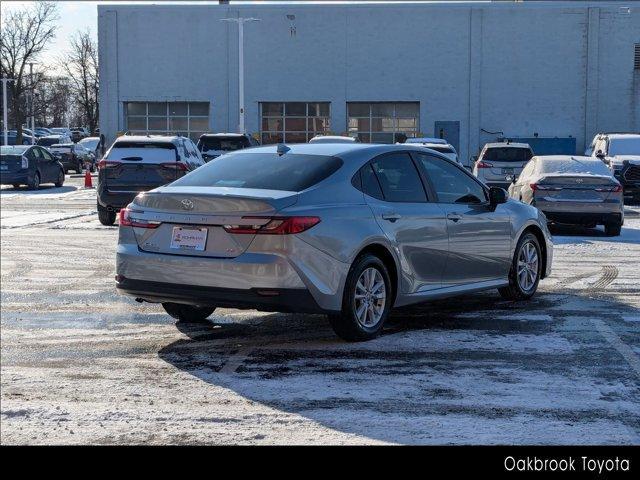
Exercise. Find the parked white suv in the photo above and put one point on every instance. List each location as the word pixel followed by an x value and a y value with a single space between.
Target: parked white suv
pixel 621 151
pixel 501 163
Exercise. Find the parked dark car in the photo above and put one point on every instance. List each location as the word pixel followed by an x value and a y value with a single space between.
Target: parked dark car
pixel 12 137
pixel 49 140
pixel 29 165
pixel 78 133
pixel 73 156
pixel 137 164
pixel 212 145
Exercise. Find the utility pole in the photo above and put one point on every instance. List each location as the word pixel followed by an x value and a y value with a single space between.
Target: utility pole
pixel 240 21
pixel 4 108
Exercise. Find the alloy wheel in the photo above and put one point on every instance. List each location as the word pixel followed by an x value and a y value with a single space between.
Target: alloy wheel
pixel 370 297
pixel 527 266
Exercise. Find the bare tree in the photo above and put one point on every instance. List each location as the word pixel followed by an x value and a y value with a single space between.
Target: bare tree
pixel 81 66
pixel 25 35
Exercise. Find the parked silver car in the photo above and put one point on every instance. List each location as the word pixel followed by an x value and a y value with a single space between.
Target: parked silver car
pixel 499 163
pixel 572 190
pixel 350 230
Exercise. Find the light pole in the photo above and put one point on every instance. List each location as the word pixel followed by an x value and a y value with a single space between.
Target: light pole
pixel 240 21
pixel 4 108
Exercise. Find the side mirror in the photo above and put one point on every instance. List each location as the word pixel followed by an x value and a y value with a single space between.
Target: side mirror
pixel 497 195
pixel 600 154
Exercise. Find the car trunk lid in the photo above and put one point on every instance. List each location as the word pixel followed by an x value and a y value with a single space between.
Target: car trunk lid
pixel 203 212
pixel 10 163
pixel 576 188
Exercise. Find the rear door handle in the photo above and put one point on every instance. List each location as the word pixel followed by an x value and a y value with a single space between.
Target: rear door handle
pixel 392 217
pixel 454 216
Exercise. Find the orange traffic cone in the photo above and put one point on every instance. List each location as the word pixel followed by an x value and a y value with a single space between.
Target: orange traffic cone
pixel 87 179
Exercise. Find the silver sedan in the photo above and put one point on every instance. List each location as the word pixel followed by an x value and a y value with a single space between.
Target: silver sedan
pixel 349 230
pixel 572 190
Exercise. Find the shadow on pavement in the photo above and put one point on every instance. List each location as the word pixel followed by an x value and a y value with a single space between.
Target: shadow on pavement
pixel 473 369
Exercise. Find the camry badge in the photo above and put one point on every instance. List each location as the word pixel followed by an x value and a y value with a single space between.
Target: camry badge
pixel 187 204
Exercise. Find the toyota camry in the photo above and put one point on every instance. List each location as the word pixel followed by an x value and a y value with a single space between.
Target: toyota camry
pixel 347 230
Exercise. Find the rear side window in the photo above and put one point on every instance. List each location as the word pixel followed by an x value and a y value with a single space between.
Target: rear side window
pixel 228 144
pixel 151 152
pixel 369 183
pixel 399 179
pixel 507 154
pixel 270 171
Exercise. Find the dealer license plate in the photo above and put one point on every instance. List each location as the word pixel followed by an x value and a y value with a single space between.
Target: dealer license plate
pixel 187 238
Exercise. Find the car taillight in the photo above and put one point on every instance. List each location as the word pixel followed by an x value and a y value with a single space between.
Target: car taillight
pixel 25 162
pixel 536 186
pixel 482 164
pixel 107 164
pixel 126 220
pixel 615 189
pixel 174 166
pixel 275 226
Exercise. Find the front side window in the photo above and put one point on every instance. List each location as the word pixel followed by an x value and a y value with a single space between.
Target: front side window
pixel 398 178
pixel 382 122
pixel 293 122
pixel 269 171
pixel 189 119
pixel 451 183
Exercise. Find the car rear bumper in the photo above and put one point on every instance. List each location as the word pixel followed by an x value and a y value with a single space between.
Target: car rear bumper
pixel 10 178
pixel 252 277
pixel 267 300
pixel 585 218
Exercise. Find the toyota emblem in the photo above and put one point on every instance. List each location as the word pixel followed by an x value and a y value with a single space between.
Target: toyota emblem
pixel 187 204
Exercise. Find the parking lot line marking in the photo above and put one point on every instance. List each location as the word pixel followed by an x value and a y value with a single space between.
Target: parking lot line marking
pixel 623 349
pixel 236 360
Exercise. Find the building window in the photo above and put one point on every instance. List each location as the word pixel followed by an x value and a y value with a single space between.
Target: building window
pixel 379 122
pixel 190 119
pixel 293 122
pixel 636 56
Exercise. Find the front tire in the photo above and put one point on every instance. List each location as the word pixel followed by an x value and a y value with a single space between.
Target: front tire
pixel 34 184
pixel 366 300
pixel 188 313
pixel 526 269
pixel 107 217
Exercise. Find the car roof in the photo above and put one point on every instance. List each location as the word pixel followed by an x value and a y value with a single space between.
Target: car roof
pixel 148 138
pixel 337 149
pixel 505 144
pixel 441 141
pixel 564 158
pixel 622 135
pixel 89 138
pixel 222 134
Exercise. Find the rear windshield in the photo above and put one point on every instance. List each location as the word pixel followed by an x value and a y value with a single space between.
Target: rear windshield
pixel 47 142
pixel 507 154
pixel 624 146
pixel 572 165
pixel 226 144
pixel 270 171
pixel 143 152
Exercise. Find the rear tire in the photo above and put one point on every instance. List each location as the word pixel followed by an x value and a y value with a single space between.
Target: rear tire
pixel 107 217
pixel 34 184
pixel 60 180
pixel 366 300
pixel 524 266
pixel 188 313
pixel 612 229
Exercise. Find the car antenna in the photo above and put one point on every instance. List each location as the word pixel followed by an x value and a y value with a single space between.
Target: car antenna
pixel 282 149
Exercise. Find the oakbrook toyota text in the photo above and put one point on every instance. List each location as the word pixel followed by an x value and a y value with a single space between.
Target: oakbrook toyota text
pixel 569 464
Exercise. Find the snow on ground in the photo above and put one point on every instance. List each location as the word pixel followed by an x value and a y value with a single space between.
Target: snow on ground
pixel 81 364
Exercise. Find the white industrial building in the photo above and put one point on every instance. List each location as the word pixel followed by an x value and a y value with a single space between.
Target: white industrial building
pixel 471 72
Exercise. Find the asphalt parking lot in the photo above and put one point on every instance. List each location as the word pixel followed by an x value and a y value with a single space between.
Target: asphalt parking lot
pixel 81 364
